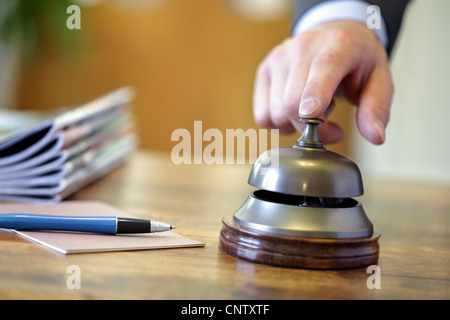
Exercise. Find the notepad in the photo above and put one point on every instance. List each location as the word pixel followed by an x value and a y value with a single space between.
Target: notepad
pixel 70 243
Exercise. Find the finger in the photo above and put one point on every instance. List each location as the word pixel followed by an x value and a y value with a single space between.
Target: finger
pixel 329 132
pixel 293 90
pixel 372 114
pixel 298 74
pixel 325 74
pixel 292 94
pixel 278 116
pixel 261 97
pixel 278 75
pixel 330 108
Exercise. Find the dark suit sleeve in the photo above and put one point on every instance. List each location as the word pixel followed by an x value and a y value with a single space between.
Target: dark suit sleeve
pixel 392 12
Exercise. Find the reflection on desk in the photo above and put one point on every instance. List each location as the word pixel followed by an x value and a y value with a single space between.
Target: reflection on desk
pixel 413 220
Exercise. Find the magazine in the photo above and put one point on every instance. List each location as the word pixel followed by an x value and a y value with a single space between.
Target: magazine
pixel 60 153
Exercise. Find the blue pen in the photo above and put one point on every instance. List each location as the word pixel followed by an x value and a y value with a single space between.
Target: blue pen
pixel 103 225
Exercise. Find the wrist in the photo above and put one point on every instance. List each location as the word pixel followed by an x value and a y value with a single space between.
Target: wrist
pixel 344 10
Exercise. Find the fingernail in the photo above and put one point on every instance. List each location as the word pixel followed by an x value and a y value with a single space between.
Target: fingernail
pixel 379 126
pixel 308 106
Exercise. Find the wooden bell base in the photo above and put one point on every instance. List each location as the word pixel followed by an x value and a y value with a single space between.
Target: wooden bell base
pixel 297 252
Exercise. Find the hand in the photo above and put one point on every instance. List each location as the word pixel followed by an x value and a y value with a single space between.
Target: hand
pixel 300 76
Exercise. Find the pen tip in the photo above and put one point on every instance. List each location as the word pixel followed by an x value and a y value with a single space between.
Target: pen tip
pixel 172 227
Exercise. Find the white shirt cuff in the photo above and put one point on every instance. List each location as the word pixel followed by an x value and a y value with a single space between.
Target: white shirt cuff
pixel 356 10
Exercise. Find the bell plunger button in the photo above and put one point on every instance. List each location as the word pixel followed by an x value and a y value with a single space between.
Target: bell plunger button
pixel 310 137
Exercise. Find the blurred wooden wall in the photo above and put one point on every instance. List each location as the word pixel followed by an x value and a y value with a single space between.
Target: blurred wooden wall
pixel 188 60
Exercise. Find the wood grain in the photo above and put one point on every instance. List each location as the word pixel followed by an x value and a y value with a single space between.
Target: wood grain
pixel 297 252
pixel 413 219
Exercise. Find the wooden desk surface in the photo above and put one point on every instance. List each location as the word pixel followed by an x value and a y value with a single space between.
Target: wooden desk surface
pixel 413 220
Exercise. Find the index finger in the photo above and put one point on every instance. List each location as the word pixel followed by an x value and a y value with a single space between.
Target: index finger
pixel 325 74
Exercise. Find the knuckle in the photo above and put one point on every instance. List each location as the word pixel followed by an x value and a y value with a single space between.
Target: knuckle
pixel 391 87
pixel 327 58
pixel 303 41
pixel 277 114
pixel 263 121
pixel 290 105
pixel 279 120
pixel 340 34
pixel 277 55
pixel 261 70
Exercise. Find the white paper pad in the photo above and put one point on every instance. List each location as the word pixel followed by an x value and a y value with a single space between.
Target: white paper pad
pixel 68 243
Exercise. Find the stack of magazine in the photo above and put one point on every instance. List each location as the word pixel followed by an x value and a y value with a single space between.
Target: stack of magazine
pixel 58 155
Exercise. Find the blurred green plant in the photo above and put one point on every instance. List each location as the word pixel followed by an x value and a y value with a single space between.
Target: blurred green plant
pixel 26 25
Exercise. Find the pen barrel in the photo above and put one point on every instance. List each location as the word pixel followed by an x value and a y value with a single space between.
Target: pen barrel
pixel 103 225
